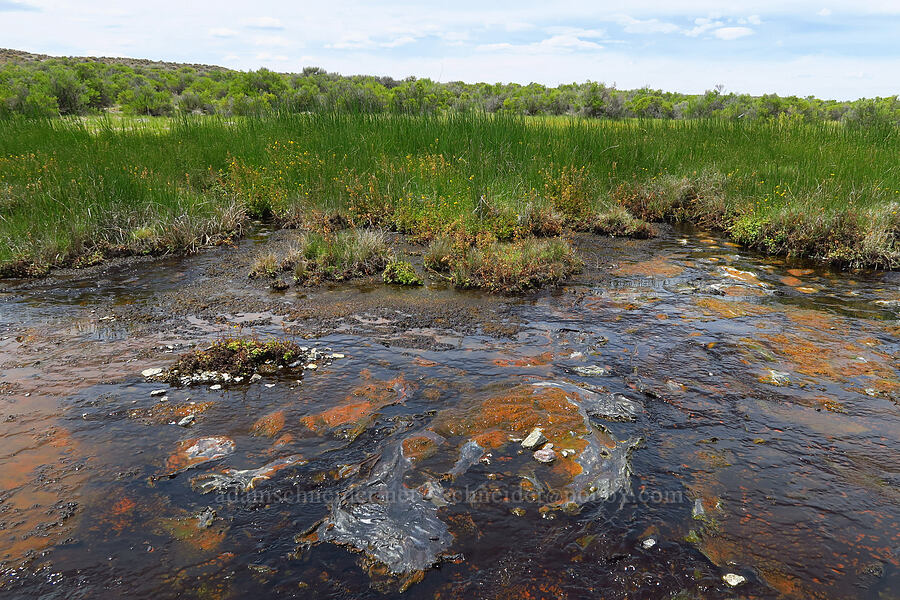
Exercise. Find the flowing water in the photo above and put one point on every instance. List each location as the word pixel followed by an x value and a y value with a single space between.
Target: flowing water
pixel 712 412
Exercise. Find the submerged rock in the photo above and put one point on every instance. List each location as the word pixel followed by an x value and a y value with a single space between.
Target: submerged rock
pixel 611 407
pixel 242 480
pixel 388 522
pixel 592 371
pixel 733 579
pixel 205 518
pixel 197 451
pixel 470 453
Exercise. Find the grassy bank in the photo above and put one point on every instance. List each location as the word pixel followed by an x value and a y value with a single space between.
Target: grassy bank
pixel 74 192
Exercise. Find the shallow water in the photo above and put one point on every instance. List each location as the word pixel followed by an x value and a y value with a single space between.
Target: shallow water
pixel 768 421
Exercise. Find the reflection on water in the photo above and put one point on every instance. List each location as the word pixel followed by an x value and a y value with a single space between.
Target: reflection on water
pixel 709 413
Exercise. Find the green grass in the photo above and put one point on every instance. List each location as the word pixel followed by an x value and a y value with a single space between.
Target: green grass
pixel 75 192
pixel 318 257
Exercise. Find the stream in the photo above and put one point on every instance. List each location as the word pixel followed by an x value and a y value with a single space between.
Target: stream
pixel 713 413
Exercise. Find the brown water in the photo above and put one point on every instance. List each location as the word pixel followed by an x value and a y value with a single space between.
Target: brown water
pixel 766 393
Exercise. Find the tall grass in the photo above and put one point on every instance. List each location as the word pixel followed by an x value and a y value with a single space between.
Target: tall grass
pixel 76 191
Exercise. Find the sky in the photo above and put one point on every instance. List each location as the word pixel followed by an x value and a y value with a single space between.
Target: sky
pixel 841 49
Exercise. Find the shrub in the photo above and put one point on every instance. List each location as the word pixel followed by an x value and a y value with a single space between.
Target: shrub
pixel 401 272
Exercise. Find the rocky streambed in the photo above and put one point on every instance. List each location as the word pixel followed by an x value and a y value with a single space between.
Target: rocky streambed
pixel 683 419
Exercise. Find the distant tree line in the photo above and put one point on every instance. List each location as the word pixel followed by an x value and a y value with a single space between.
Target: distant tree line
pixel 73 86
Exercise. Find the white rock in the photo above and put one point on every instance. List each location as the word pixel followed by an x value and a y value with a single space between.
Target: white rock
pixel 186 421
pixel 151 372
pixel 648 543
pixel 534 439
pixel 270 385
pixel 312 366
pixel 217 386
pixel 336 355
pixel 545 455
pixel 255 377
pixel 163 399
pixel 155 393
pixel 733 579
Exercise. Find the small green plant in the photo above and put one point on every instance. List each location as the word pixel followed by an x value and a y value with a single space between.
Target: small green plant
pixel 401 272
pixel 264 266
pixel 237 357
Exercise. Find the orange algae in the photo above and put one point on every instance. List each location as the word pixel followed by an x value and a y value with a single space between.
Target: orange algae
pixel 545 358
pixel 419 447
pixel 730 309
pixel 515 413
pixel 269 425
pixel 656 267
pixel 360 406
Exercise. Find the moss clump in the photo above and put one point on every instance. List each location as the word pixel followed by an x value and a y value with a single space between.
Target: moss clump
pixel 237 357
pixel 401 272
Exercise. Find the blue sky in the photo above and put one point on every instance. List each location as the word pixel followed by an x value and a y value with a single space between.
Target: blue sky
pixel 835 49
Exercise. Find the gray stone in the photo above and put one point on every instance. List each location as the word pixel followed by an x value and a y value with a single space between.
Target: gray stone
pixel 154 372
pixel 535 439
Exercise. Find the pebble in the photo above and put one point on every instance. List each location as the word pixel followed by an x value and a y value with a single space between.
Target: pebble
pixel 151 372
pixel 312 366
pixel 255 377
pixel 545 455
pixel 217 386
pixel 336 355
pixel 648 543
pixel 733 579
pixel 270 385
pixel 163 399
pixel 186 421
pixel 698 510
pixel 155 393
pixel 534 439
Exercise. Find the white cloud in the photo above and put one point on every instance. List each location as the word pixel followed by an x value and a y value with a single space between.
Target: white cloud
pixel 264 23
pixel 732 33
pixel 513 26
pixel 577 31
pixel 222 32
pixel 632 25
pixel 825 12
pixel 397 42
pixel 271 57
pixel 702 26
pixel 271 41
pixel 557 44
